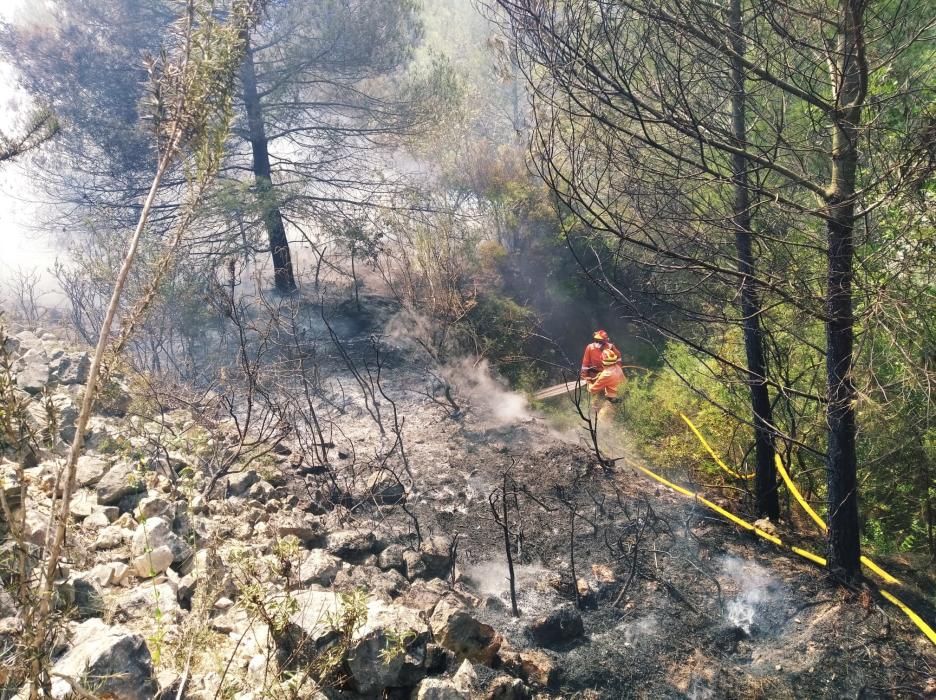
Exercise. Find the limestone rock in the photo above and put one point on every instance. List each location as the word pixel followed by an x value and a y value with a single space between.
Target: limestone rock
pixel 151 506
pixel 156 532
pixel 72 368
pixel 465 678
pixel 506 688
pixel 424 595
pixel 82 504
pixel 385 585
pixel 122 479
pixel 306 528
pixel 436 553
pixel 319 567
pixel 383 489
pixel 145 599
pixel 392 558
pixel 87 594
pixel 111 660
pixel 532 666
pixel 150 564
pixel 309 629
pixel 414 565
pixel 261 491
pixel 240 482
pixel 438 689
pixel 455 628
pixel 90 469
pixel 33 371
pixel 386 627
pixel 10 485
pixel 351 545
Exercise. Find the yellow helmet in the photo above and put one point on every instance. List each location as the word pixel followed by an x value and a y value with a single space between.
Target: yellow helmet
pixel 609 357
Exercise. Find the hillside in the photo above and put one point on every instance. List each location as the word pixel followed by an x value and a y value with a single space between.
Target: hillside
pixel 382 570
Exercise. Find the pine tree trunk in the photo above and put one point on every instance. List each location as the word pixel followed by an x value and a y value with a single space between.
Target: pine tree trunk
pixel 849 76
pixel 272 218
pixel 765 483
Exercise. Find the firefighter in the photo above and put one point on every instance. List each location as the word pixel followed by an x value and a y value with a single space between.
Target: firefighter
pixel 592 361
pixel 606 387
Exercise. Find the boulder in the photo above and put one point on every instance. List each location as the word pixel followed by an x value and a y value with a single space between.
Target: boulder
pixel 110 660
pixel 465 678
pixel 306 528
pixel 34 530
pixel 97 519
pixel 351 545
pixel 456 629
pixel 150 564
pixel 532 666
pixel 506 688
pixel 436 553
pixel 90 469
pixel 10 485
pixel 122 479
pixel 385 585
pixel 71 368
pixel 8 607
pixel 87 594
pixel 143 601
pixel 102 575
pixel 151 506
pixel 414 565
pixel 238 483
pixel 392 558
pixel 388 650
pixel 438 689
pixel 261 491
pixel 310 628
pixel 111 537
pixel 156 532
pixel 424 595
pixel 33 371
pixel 319 567
pixel 66 413
pixel 24 341
pixel 558 627
pixel 83 503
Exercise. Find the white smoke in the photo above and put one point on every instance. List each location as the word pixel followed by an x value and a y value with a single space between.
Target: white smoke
pixel 493 402
pixel 755 586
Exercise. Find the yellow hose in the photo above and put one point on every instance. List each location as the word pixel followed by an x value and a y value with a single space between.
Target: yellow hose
pixel 877 570
pixel 916 619
pixel 815 558
pixel 717 459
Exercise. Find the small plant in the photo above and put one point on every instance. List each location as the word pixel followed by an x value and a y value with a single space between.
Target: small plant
pixel 396 645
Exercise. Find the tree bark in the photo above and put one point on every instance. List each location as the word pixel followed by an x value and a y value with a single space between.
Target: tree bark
pixel 849 78
pixel 765 480
pixel 272 217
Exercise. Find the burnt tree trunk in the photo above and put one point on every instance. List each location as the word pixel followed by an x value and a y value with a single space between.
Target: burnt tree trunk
pixel 272 218
pixel 849 73
pixel 765 483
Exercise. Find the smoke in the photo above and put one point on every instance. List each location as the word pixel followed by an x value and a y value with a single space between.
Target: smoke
pixel 640 629
pixel 472 379
pixel 490 578
pixel 756 587
pixel 492 401
pixel 699 691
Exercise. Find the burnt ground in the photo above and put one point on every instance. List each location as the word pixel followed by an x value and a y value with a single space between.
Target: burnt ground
pixel 678 603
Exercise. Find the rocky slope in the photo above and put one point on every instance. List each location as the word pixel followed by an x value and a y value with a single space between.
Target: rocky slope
pixel 376 575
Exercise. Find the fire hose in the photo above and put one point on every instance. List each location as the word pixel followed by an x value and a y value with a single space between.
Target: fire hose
pixel 810 556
